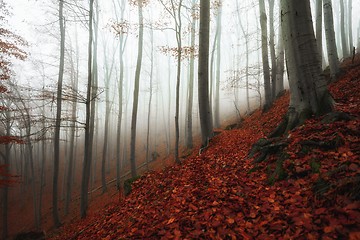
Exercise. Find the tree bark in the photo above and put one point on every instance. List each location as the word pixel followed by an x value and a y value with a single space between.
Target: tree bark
pixel 309 94
pixel 345 49
pixel 190 97
pixel 136 91
pixel 88 143
pixel 265 58
pixel 330 39
pixel 56 218
pixel 218 60
pixel 272 49
pixel 318 30
pixel 203 74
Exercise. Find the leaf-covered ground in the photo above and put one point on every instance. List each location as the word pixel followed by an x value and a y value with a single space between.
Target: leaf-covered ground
pixel 222 194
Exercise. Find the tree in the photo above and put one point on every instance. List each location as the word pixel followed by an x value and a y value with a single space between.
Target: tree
pixel 11 48
pixel 309 94
pixel 265 58
pixel 88 126
pixel 351 43
pixel 203 74
pixel 272 48
pixel 318 30
pixel 56 218
pixel 218 59
pixel 189 109
pixel 120 29
pixel 345 49
pixel 330 39
pixel 139 4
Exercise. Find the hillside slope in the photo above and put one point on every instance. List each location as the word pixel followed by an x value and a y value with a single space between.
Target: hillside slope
pixel 307 188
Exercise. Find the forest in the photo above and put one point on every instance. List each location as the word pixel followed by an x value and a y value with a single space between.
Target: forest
pixel 179 119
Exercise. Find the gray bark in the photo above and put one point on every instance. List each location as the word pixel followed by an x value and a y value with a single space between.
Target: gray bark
pixel 218 59
pixel 56 218
pixel 318 30
pixel 345 49
pixel 88 143
pixel 190 97
pixel 309 94
pixel 136 90
pixel 203 74
pixel 330 39
pixel 272 48
pixel 351 42
pixel 265 58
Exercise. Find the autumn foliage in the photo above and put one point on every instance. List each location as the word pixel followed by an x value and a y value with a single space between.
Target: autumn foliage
pixel 309 189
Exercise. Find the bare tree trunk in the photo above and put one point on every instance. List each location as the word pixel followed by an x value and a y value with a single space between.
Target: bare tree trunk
pixel 265 58
pixel 330 39
pixel 272 49
pixel 136 90
pixel 190 98
pixel 345 48
pixel 122 44
pixel 318 30
pixel 308 87
pixel 5 189
pixel 218 59
pixel 88 141
pixel 203 72
pixel 56 218
pixel 351 43
pixel 246 36
pixel 150 98
pixel 75 80
pixel 280 65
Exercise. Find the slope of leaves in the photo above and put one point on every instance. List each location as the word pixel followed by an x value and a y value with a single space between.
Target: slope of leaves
pixel 221 194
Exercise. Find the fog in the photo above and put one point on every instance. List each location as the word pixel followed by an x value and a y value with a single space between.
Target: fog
pixel 35 81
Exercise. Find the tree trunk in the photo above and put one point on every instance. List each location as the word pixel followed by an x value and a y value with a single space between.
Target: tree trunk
pixel 88 143
pixel 309 93
pixel 190 98
pixel 150 99
pixel 136 91
pixel 318 30
pixel 272 49
pixel 56 218
pixel 203 74
pixel 351 43
pixel 280 65
pixel 330 39
pixel 122 44
pixel 5 190
pixel 218 60
pixel 345 48
pixel 75 80
pixel 265 58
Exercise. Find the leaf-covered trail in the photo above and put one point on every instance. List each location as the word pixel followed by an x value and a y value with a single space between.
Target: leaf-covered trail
pixel 220 195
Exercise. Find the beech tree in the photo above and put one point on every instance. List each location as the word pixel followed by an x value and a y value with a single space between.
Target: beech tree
pixel 11 48
pixel 265 55
pixel 330 39
pixel 56 218
pixel 309 93
pixel 203 74
pixel 139 4
pixel 88 126
pixel 344 45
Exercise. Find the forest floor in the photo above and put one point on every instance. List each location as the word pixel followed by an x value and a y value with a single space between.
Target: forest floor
pixel 308 187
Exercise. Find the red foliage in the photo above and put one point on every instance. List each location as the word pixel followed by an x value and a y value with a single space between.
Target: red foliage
pixel 216 196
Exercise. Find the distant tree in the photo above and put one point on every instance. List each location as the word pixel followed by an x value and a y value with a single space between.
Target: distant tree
pixel 56 218
pixel 203 74
pixel 272 49
pixel 349 25
pixel 11 48
pixel 88 126
pixel 318 29
pixel 140 4
pixel 218 5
